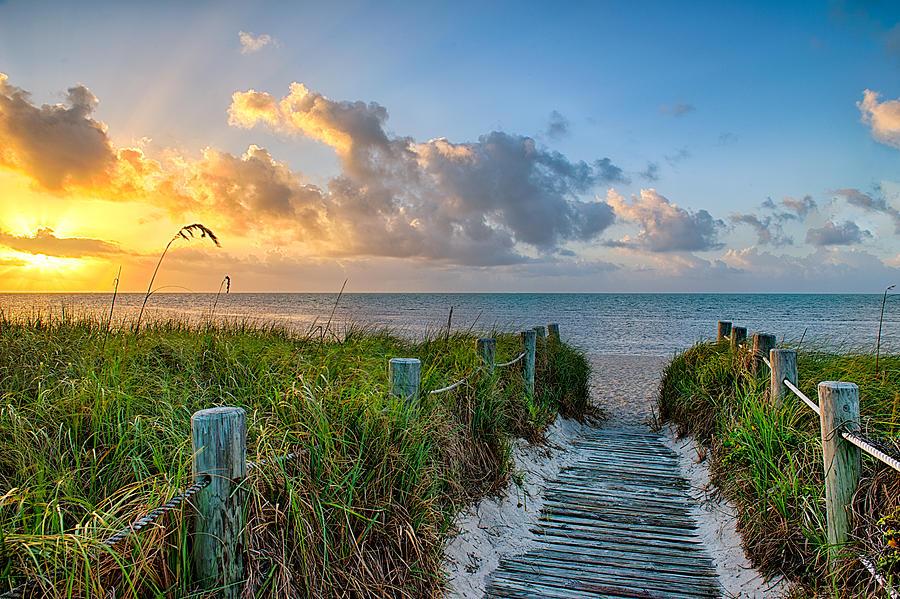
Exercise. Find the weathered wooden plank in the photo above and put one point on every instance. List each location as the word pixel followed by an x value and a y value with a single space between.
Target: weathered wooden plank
pixel 562 514
pixel 626 543
pixel 618 497
pixel 689 565
pixel 617 524
pixel 637 569
pixel 570 580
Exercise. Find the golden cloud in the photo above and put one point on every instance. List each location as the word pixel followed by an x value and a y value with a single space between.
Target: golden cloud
pixel 883 118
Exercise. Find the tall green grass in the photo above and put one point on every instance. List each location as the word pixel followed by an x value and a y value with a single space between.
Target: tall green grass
pixel 94 432
pixel 767 458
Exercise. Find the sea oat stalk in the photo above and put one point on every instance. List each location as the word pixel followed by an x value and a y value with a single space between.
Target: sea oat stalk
pixel 185 232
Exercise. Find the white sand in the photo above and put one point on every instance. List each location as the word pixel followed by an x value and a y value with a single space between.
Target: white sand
pixel 716 522
pixel 501 526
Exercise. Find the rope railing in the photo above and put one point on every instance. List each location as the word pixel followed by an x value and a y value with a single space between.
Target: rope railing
pixel 452 386
pixel 465 379
pixel 879 578
pixel 838 407
pixel 128 531
pixel 513 361
pixel 170 506
pixel 218 427
pixel 868 445
pixel 812 405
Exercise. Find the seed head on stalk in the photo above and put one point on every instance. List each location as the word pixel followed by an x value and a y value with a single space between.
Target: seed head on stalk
pixel 186 232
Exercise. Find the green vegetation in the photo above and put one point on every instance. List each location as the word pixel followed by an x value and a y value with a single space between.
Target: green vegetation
pixel 768 460
pixel 94 432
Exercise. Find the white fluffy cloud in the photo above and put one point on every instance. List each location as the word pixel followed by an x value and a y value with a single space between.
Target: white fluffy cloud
pixel 664 227
pixel 883 118
pixel 473 203
pixel 254 43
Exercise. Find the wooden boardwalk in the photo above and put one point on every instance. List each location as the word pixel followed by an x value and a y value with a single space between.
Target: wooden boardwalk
pixel 617 524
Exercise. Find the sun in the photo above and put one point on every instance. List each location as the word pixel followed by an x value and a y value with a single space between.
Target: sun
pixel 31 265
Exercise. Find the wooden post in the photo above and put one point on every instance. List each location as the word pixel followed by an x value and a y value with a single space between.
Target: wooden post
pixel 784 366
pixel 839 404
pixel 738 335
pixel 529 343
pixel 724 330
pixel 487 349
pixel 541 332
pixel 553 330
pixel 219 438
pixel 405 374
pixel 762 343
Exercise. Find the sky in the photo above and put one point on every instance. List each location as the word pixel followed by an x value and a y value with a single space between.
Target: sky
pixel 458 146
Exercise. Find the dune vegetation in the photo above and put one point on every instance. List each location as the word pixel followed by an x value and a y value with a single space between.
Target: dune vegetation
pixel 95 428
pixel 767 459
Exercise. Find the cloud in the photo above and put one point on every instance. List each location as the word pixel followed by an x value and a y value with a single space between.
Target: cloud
pixel 558 127
pixel 56 144
pixel 816 272
pixel 726 138
pixel 801 207
pixel 502 199
pixel 892 41
pixel 12 262
pixel 44 241
pixel 846 233
pixel 677 110
pixel 664 227
pixel 253 191
pixel 861 200
pixel 251 43
pixel 883 118
pixel 769 230
pixel 471 202
pixel 651 173
pixel 678 156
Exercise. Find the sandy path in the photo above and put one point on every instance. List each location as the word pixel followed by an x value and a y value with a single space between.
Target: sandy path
pixel 626 387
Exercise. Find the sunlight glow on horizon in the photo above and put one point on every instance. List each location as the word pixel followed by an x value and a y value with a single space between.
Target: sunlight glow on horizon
pixel 692 162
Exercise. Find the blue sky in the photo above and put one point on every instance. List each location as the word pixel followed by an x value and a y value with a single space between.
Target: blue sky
pixel 715 107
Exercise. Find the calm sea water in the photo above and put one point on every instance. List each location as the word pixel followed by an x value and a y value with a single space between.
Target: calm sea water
pixel 631 324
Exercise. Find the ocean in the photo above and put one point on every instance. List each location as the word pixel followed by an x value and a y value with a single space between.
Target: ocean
pixel 601 324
